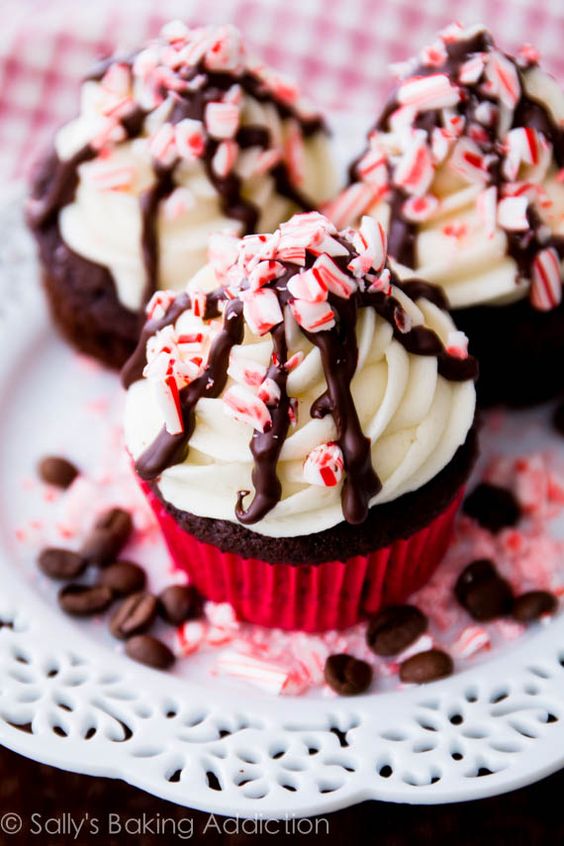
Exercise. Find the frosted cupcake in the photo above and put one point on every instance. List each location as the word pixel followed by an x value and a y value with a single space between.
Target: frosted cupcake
pixel 184 138
pixel 302 422
pixel 464 170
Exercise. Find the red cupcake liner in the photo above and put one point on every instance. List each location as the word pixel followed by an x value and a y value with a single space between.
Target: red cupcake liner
pixel 309 597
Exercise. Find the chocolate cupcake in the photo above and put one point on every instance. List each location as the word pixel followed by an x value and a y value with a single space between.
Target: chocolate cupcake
pixel 184 138
pixel 464 170
pixel 302 422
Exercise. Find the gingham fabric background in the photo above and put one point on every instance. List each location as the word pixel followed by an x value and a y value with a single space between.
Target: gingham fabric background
pixel 338 50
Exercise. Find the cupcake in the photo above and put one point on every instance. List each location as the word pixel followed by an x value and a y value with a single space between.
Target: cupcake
pixel 301 421
pixel 183 138
pixel 464 170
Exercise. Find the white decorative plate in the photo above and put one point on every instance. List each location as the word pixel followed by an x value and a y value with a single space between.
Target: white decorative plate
pixel 69 699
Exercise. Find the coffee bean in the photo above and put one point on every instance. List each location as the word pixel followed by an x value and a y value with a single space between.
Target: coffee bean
pixel 395 628
pixel 135 615
pixel 494 508
pixel 61 563
pixel 84 600
pixel 57 471
pixel 178 603
pixel 477 571
pixel 482 591
pixel 151 651
pixel 347 675
pixel 123 578
pixel 108 536
pixel 558 418
pixel 532 605
pixel 426 667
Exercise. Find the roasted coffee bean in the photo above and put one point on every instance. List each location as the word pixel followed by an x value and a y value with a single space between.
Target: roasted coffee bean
pixel 61 563
pixel 482 591
pixel 135 615
pixel 532 605
pixel 57 471
pixel 347 675
pixel 85 600
pixel 494 508
pixel 558 418
pixel 477 571
pixel 178 603
pixel 123 578
pixel 395 628
pixel 109 535
pixel 426 667
pixel 151 651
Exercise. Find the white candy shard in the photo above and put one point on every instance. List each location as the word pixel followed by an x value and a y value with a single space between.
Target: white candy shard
pixel 324 465
pixel 242 405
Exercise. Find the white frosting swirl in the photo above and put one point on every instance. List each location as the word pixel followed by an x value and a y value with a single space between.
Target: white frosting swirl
pixel 415 419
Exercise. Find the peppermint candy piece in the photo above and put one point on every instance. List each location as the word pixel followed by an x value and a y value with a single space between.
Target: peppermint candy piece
pixel 468 161
pixel 266 675
pixel 434 55
pixel 324 466
pixel 512 213
pixel 110 177
pixel 242 405
pixel 502 79
pixel 222 119
pixel 159 304
pixel 331 277
pixel 225 52
pixel 162 145
pixel 308 286
pixel 525 146
pixel 418 209
pixel 223 252
pixel 486 207
pixel 426 93
pixel 457 344
pixel 414 172
pixel 261 310
pixel 440 144
pixel 382 283
pixel 245 371
pixel 546 288
pixel 224 158
pixel 264 272
pixel 190 139
pixel 371 238
pixel 471 71
pixel 352 202
pixel 168 399
pixel 372 167
pixel 472 639
pixel 294 153
pixel 269 392
pixel 313 317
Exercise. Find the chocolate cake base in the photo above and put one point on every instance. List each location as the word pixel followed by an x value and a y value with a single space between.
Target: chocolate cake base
pixel 520 351
pixel 81 294
pixel 385 523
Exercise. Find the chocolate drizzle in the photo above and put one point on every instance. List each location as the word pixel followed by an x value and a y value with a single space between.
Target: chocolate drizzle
pixel 528 112
pixel 339 357
pixel 168 449
pixel 190 103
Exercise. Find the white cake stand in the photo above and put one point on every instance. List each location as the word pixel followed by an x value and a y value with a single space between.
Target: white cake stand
pixel 69 699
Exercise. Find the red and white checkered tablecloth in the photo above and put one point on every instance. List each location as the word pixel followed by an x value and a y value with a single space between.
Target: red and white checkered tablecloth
pixel 339 50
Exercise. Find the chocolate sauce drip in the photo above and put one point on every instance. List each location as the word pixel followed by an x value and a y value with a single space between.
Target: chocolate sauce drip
pixel 266 446
pixel 189 104
pixel 339 357
pixel 132 371
pixel 168 449
pixel 522 247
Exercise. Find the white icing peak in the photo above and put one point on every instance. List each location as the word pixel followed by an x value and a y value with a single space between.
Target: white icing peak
pixel 414 418
pixel 104 221
pixel 465 176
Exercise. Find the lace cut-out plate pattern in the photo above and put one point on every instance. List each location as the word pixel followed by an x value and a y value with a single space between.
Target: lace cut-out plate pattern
pixel 67 698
